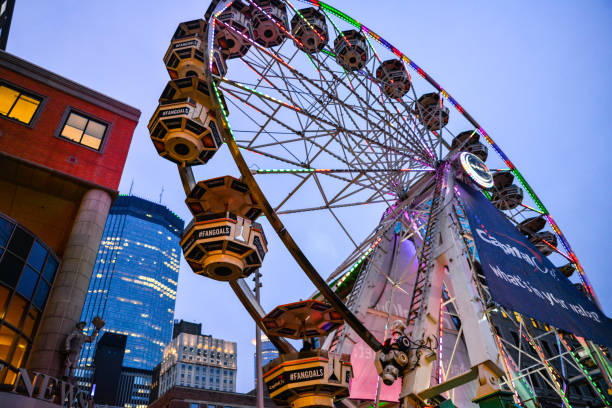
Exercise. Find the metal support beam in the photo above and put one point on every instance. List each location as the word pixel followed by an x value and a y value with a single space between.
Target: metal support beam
pixel 484 357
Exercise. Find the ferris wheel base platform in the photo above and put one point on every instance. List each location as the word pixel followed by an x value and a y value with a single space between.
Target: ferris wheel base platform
pixel 499 399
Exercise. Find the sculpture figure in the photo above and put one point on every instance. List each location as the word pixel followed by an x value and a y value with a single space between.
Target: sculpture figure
pixel 74 344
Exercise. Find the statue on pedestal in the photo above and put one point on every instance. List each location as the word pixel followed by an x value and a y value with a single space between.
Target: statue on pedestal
pixel 74 344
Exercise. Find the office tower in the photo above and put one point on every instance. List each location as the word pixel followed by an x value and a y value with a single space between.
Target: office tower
pixel 196 360
pixel 133 286
pixel 62 151
pixel 268 353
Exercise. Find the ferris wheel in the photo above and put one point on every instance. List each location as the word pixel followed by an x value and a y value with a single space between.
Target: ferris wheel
pixel 326 120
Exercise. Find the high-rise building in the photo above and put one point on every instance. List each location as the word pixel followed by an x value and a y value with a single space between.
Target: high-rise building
pixel 62 151
pixel 268 353
pixel 194 360
pixel 133 286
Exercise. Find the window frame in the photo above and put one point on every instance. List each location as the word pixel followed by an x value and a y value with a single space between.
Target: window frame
pixel 30 307
pixel 43 101
pixel 70 109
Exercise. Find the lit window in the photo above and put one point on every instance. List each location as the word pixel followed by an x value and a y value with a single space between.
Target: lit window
pixel 18 105
pixel 83 130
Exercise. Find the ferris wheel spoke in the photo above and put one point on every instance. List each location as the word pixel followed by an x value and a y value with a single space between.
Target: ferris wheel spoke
pixel 370 93
pixel 368 244
pixel 358 157
pixel 390 117
pixel 293 191
pixel 261 127
pixel 332 116
pixel 284 141
pixel 422 130
pixel 327 207
pixel 335 78
pixel 338 197
pixel 365 107
pixel 300 166
pixel 270 100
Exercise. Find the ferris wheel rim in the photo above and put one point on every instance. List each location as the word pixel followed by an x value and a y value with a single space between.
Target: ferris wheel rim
pixel 240 286
pixel 478 127
pixel 459 108
pixel 246 173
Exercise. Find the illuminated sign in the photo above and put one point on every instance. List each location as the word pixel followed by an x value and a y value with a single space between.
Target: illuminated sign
pixel 173 112
pixel 192 43
pixel 296 376
pixel 476 169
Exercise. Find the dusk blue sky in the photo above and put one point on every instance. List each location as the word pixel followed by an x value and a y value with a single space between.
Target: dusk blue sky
pixel 534 74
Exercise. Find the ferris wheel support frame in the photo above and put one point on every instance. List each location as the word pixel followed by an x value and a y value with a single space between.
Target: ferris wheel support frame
pixel 239 287
pixel 483 353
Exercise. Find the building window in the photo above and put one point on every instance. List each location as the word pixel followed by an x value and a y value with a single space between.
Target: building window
pixel 18 105
pixel 83 130
pixel 27 270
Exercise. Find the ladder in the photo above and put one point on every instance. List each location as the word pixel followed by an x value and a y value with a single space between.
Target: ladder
pixel 426 260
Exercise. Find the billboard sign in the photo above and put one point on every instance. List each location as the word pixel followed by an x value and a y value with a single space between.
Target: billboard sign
pixel 522 279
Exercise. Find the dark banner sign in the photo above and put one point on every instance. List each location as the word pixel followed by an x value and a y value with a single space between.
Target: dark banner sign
pixel 174 112
pixel 522 279
pixel 191 43
pixel 213 232
pixel 295 376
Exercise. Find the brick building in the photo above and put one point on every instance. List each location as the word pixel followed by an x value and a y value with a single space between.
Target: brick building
pixel 62 151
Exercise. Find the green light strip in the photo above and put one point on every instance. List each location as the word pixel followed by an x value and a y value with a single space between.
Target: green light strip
pixel 334 24
pixel 223 110
pixel 338 282
pixel 527 187
pixel 331 54
pixel 371 46
pixel 584 370
pixel 340 14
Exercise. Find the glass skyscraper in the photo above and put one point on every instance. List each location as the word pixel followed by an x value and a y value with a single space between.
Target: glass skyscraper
pixel 268 353
pixel 133 284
